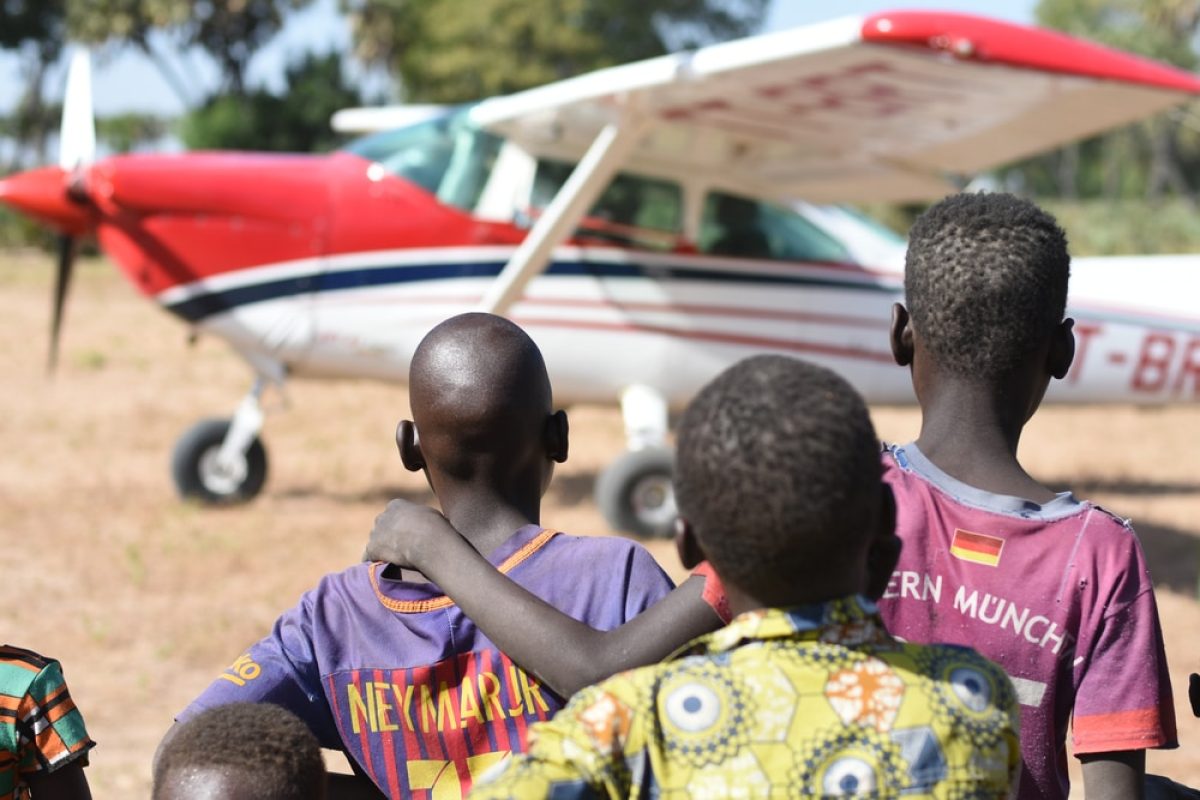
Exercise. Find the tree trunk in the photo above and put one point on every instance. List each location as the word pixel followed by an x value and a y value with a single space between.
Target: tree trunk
pixel 1164 167
pixel 1067 174
pixel 1114 145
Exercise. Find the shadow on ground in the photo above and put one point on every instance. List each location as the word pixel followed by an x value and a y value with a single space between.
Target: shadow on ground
pixel 568 490
pixel 571 490
pixel 1173 555
pixel 379 495
pixel 1087 487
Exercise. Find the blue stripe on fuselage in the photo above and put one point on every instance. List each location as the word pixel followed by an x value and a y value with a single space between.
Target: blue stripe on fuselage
pixel 197 308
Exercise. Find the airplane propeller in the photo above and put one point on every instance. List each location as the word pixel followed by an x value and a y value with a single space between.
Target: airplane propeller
pixel 67 248
pixel 77 150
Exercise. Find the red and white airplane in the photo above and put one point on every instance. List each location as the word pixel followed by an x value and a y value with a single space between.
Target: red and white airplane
pixel 648 224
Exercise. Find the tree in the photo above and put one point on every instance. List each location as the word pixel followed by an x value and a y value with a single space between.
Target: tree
pixel 452 51
pixel 230 31
pixel 33 28
pixel 1162 29
pixel 122 133
pixel 296 121
pixel 1143 160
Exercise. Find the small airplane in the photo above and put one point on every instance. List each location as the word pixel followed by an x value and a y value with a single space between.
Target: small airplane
pixel 648 224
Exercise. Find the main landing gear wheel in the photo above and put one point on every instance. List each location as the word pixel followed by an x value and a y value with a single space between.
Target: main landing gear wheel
pixel 635 493
pixel 199 475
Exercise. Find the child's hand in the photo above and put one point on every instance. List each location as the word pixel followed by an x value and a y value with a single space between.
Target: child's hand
pixel 405 532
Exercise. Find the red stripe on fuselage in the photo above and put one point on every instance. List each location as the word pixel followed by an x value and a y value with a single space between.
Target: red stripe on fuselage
pixel 621 305
pixel 713 336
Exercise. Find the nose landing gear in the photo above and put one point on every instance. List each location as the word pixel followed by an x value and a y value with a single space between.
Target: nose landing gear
pixel 222 461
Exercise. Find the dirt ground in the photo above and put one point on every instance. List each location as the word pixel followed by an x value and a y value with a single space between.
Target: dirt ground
pixel 145 598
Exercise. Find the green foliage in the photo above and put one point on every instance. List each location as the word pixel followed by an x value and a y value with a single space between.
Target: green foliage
pixel 36 22
pixel 1096 227
pixel 453 51
pixel 33 28
pixel 230 31
pixel 1162 29
pixel 122 133
pixel 1145 160
pixel 296 121
pixel 19 231
pixel 1128 227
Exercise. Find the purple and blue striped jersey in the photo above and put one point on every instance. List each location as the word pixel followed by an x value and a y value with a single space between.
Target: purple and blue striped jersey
pixel 394 674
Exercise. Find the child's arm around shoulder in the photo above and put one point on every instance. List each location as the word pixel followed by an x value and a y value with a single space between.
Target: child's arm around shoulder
pixel 565 653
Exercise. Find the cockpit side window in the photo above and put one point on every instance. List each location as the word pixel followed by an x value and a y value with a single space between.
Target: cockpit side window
pixel 446 156
pixel 634 210
pixel 747 228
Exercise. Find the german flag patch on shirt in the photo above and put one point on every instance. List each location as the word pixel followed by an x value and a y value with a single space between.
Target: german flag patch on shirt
pixel 976 547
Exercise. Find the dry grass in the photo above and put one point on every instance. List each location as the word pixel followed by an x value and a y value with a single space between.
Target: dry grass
pixel 145 598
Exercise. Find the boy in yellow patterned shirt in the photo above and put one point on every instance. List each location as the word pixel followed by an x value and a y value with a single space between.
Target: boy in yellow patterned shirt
pixel 804 694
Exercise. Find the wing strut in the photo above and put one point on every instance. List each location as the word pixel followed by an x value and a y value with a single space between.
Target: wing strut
pixel 609 149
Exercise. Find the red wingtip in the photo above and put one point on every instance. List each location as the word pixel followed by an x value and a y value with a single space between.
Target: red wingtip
pixel 989 40
pixel 42 194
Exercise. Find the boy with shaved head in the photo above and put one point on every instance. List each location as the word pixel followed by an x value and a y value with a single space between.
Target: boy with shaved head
pixel 390 670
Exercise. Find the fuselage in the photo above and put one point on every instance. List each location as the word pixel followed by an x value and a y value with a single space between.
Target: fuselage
pixel 335 266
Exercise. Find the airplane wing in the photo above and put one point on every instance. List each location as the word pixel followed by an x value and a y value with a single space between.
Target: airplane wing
pixel 879 108
pixel 874 108
pixel 384 118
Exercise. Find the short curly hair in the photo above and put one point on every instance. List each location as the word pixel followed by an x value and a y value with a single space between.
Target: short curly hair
pixel 267 746
pixel 777 470
pixel 986 281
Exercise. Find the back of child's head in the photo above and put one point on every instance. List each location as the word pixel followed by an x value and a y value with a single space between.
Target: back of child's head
pixel 241 751
pixel 985 281
pixel 778 472
pixel 478 388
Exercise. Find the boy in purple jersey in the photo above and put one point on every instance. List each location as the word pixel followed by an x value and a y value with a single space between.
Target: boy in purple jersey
pixel 1054 589
pixel 390 670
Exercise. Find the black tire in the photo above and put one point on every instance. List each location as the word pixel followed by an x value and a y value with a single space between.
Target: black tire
pixel 193 477
pixel 635 494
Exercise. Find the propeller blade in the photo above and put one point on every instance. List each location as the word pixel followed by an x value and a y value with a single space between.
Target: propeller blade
pixel 77 137
pixel 67 248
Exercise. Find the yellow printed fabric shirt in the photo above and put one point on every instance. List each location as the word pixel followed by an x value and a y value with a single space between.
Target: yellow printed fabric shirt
pixel 813 701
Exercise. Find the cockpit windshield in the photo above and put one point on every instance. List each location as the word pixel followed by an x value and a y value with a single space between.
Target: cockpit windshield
pixel 447 156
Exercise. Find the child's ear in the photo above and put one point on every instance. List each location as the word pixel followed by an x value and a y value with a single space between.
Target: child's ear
pixel 1062 350
pixel 409 445
pixel 556 436
pixel 690 552
pixel 901 335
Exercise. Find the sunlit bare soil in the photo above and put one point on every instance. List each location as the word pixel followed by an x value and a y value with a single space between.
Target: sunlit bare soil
pixel 145 598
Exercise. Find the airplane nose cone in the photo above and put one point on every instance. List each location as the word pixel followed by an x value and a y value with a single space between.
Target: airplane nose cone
pixel 43 195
